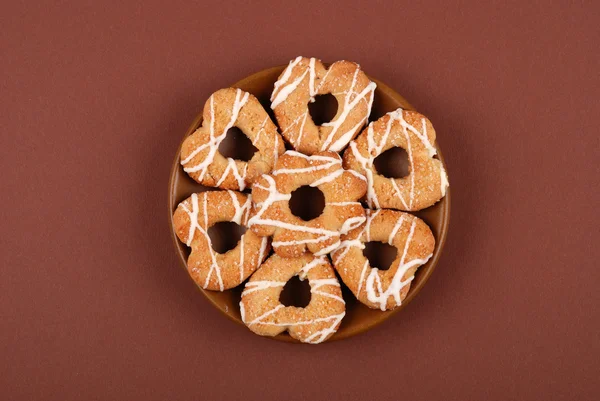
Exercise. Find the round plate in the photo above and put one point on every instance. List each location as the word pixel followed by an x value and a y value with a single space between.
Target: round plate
pixel 359 318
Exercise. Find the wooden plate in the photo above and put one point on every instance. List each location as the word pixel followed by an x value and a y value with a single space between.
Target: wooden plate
pixel 358 317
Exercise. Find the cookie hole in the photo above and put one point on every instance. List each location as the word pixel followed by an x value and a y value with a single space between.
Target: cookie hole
pixel 323 109
pixel 393 163
pixel 237 145
pixel 380 254
pixel 307 203
pixel 295 293
pixel 225 236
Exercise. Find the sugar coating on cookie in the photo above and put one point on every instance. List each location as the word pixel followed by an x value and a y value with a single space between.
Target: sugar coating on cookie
pixel 209 269
pixel 426 182
pixel 292 236
pixel 384 289
pixel 265 315
pixel 302 80
pixel 225 109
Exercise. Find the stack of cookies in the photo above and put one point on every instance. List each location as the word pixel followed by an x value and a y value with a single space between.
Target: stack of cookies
pixel 337 158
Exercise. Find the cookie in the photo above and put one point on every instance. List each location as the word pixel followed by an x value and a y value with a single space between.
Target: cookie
pixel 262 312
pixel 225 109
pixel 384 289
pixel 292 236
pixel 302 80
pixel 209 269
pixel 426 182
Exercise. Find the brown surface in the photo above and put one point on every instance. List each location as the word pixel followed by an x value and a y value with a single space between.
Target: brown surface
pixel 95 96
pixel 359 318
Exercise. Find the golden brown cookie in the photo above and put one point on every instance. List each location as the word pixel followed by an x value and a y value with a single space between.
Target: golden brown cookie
pixel 292 236
pixel 225 109
pixel 384 289
pixel 426 182
pixel 302 80
pixel 263 313
pixel 209 269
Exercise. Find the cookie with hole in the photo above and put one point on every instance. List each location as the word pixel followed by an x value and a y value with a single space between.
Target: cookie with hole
pixel 384 289
pixel 301 82
pixel 212 270
pixel 264 314
pixel 426 182
pixel 224 110
pixel 292 235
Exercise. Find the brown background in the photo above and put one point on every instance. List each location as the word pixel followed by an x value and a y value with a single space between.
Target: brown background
pixel 95 97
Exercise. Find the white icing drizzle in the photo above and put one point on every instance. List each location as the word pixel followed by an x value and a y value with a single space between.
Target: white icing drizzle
pixel 313 157
pixel 362 277
pixel 285 77
pixel 301 131
pixel 370 218
pixel 422 136
pixel 253 286
pixel 232 167
pixel 260 130
pixel 351 223
pixel 346 244
pixel 318 283
pixel 195 227
pixel 357 175
pixel 275 196
pixel 349 104
pixel 399 194
pixel 316 337
pixel 395 229
pixel 241 262
pixel 215 141
pixel 373 284
pixel 296 142
pixel 259 319
pixel 375 149
pixel 347 137
pixel 310 265
pixel 287 90
pixel 311 80
pixel 330 162
pixel 321 335
pixel 328 249
pixel 328 178
pixel 366 164
pixel 193 216
pixel 412 167
pixel 276 150
pixel 443 180
pixel 316 288
pixel 242 312
pixel 239 209
pixel 261 252
pixel 282 91
pixel 293 227
pixel 344 248
pixel 302 241
pixel 283 88
pixel 266 314
pixel 343 203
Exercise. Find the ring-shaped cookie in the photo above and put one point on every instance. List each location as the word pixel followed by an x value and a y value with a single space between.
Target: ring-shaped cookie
pixel 225 109
pixel 292 236
pixel 302 80
pixel 263 313
pixel 426 182
pixel 209 269
pixel 384 289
